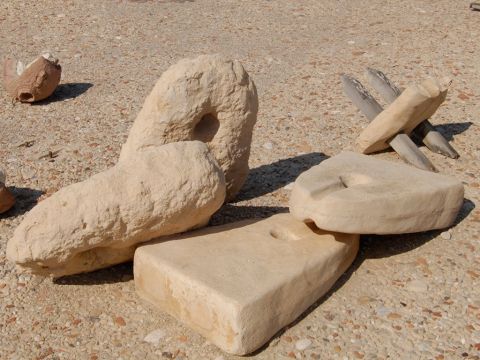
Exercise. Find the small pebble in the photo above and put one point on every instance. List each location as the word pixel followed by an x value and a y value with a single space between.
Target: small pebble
pixel 446 235
pixel 417 286
pixel 154 337
pixel 303 344
pixel 268 146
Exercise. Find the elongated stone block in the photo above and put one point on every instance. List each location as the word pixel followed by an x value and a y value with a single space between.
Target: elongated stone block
pixel 238 284
pixel 358 194
pixel 99 222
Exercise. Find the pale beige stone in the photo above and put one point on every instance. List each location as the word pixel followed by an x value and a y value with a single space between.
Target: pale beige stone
pixel 98 222
pixel 358 194
pixel 37 81
pixel 415 104
pixel 208 98
pixel 240 283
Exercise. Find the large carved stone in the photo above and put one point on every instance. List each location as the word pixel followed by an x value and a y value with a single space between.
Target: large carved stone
pixel 99 222
pixel 238 284
pixel 208 98
pixel 358 194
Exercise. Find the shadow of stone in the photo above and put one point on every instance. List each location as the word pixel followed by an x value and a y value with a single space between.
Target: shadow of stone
pixel 268 178
pixel 162 1
pixel 111 275
pixel 66 91
pixel 449 130
pixel 25 199
pixel 467 208
pixel 229 213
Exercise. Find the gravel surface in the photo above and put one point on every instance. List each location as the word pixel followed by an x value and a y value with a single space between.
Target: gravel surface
pixel 412 296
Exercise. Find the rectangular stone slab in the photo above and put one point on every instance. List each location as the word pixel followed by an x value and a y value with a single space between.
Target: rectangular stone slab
pixel 238 284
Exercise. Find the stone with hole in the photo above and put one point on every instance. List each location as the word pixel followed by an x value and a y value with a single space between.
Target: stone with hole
pixel 238 284
pixel 99 222
pixel 208 98
pixel 414 105
pixel 357 194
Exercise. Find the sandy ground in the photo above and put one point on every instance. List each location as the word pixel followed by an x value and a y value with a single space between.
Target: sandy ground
pixel 406 297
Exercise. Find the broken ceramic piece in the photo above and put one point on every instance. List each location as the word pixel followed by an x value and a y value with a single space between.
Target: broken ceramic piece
pixel 208 98
pixel 415 104
pixel 37 81
pixel 357 194
pixel 238 284
pixel 7 200
pixel 99 222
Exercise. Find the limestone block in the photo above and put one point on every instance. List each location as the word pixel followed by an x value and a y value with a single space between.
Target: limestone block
pixel 98 222
pixel 7 200
pixel 357 194
pixel 37 81
pixel 415 104
pixel 238 284
pixel 208 98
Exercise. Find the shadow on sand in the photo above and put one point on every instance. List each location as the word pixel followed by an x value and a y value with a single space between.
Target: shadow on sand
pixel 268 178
pixel 64 92
pixel 25 199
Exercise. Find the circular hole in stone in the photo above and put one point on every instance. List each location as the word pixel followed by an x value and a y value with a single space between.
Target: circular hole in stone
pixel 206 129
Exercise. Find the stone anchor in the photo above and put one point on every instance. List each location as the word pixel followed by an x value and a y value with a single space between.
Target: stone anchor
pixel 425 130
pixel 391 127
pixel 238 284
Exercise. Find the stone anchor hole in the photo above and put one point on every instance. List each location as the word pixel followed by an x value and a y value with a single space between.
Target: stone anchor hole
pixel 206 129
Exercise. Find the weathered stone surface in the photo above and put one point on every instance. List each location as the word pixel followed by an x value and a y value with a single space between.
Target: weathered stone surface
pixel 36 82
pixel 415 104
pixel 98 222
pixel 208 98
pixel 357 194
pixel 238 284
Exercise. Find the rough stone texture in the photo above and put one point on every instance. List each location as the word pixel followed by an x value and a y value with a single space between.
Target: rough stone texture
pixel 36 82
pixel 238 284
pixel 358 194
pixel 164 190
pixel 415 104
pixel 208 98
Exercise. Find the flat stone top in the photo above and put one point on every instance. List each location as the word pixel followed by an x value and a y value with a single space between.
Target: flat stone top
pixel 244 260
pixel 415 104
pixel 355 193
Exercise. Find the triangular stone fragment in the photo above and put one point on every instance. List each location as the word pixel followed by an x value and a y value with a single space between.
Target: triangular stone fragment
pixel 415 104
pixel 358 194
pixel 238 284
